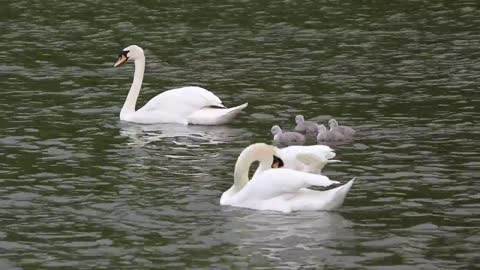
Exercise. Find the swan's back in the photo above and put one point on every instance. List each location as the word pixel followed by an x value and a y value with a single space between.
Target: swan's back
pixel 272 184
pixel 307 199
pixel 182 101
pixel 285 190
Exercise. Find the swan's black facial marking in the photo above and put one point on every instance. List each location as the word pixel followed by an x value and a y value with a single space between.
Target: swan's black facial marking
pixel 122 58
pixel 124 53
pixel 277 162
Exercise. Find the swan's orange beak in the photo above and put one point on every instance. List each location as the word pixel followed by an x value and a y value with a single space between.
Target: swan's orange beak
pixel 121 59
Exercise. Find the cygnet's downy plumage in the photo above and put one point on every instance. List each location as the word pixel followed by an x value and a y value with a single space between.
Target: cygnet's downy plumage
pixel 305 127
pixel 325 135
pixel 287 138
pixel 344 130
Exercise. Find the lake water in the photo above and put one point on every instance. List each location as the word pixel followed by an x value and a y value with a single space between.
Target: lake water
pixel 81 190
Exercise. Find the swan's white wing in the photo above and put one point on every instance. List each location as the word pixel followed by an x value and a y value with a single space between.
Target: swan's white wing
pixel 182 101
pixel 307 158
pixel 276 182
pixel 321 150
pixel 215 116
pixel 313 162
pixel 307 199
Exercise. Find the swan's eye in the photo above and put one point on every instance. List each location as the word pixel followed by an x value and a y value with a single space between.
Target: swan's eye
pixel 277 162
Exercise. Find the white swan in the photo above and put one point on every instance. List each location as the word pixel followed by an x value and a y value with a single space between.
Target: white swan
pixel 186 105
pixel 281 189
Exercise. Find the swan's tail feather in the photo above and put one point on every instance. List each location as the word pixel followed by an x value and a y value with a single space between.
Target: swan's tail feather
pixel 339 195
pixel 328 200
pixel 215 116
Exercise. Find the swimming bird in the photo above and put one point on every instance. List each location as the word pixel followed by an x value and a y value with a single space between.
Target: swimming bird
pixel 325 135
pixel 305 127
pixel 186 105
pixel 345 130
pixel 279 189
pixel 287 138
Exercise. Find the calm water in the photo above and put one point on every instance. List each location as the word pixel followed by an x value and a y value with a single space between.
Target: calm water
pixel 81 190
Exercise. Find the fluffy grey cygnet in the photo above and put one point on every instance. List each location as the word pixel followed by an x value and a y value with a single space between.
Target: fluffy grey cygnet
pixel 325 135
pixel 305 127
pixel 345 130
pixel 287 138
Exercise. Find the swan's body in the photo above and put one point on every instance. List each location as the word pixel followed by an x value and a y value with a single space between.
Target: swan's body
pixel 186 105
pixel 344 130
pixel 282 190
pixel 308 128
pixel 287 138
pixel 325 135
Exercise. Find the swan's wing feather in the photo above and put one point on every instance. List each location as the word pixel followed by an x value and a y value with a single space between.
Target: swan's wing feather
pixel 184 101
pixel 276 182
pixel 215 116
pixel 307 158
pixel 307 199
pixel 310 159
pixel 321 150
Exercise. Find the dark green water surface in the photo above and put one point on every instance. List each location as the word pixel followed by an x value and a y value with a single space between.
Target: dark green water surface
pixel 81 190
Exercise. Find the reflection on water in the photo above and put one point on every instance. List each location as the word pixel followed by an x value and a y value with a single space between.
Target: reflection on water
pixel 187 135
pixel 289 240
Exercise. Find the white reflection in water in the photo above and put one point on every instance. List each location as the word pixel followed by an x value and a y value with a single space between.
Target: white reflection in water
pixel 262 227
pixel 301 237
pixel 142 135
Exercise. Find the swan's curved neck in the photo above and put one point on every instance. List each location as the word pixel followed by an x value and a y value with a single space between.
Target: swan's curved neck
pixel 247 157
pixel 131 101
